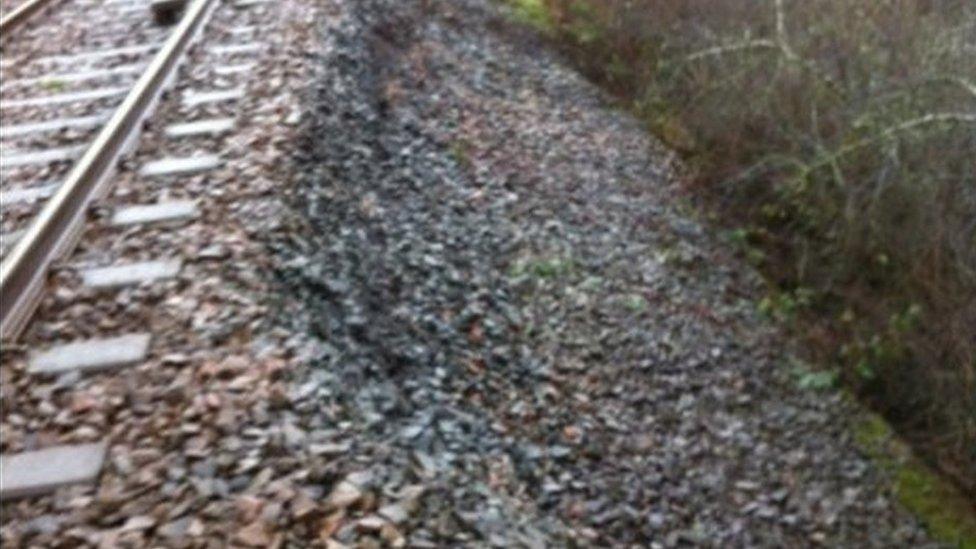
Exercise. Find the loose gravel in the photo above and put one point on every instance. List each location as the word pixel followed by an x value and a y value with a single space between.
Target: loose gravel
pixel 192 458
pixel 514 308
pixel 440 294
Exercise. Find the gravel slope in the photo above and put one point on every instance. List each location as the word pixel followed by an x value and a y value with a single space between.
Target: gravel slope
pixel 511 307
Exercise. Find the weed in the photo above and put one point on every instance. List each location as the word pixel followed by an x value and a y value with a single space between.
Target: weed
pixel 53 85
pixel 635 303
pixel 532 13
pixel 812 380
pixel 461 152
pixel 543 268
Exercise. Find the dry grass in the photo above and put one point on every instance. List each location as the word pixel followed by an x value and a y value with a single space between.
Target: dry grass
pixel 841 137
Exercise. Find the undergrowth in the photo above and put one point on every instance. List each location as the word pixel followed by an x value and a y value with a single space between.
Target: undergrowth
pixel 840 138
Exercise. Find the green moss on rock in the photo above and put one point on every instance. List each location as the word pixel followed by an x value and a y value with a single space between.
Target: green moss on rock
pixel 947 513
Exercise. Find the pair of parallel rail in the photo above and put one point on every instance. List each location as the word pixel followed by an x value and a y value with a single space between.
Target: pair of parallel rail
pixel 53 233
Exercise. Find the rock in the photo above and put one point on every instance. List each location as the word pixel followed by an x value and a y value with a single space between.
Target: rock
pixel 272 513
pixel 195 529
pixel 43 525
pixel 138 524
pixel 370 524
pixel 329 449
pixel 176 529
pixel 407 504
pixel 395 513
pixel 330 525
pixel 392 536
pixel 248 507
pixel 345 494
pixel 303 507
pixel 254 535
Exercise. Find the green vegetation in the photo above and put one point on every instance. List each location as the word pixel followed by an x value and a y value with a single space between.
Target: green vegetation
pixel 532 12
pixel 53 85
pixel 813 380
pixel 947 513
pixel 544 268
pixel 836 137
pixel 461 151
pixel 635 303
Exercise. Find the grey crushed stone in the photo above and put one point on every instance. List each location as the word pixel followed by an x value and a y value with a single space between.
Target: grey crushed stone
pixel 511 306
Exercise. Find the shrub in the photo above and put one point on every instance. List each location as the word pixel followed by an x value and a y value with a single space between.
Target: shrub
pixel 842 133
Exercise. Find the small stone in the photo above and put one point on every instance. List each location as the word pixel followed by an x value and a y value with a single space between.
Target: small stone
pixel 573 434
pixel 294 117
pixel 212 127
pixel 392 536
pixel 195 529
pixel 215 251
pixel 271 513
pixel 343 495
pixel 331 524
pixel 254 535
pixel 395 513
pixel 302 506
pixel 44 525
pixel 138 524
pixel 409 500
pixel 193 98
pixel 372 523
pixel 328 449
pixel 248 507
pixel 83 402
pixel 176 529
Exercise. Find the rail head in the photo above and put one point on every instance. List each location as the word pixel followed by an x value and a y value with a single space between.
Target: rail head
pixel 24 271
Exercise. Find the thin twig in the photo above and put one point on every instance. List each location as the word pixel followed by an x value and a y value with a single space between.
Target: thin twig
pixel 938 118
pixel 722 50
pixel 784 43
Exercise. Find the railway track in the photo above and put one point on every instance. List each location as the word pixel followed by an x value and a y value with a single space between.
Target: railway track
pixel 15 14
pixel 85 201
pixel 54 101
pixel 70 184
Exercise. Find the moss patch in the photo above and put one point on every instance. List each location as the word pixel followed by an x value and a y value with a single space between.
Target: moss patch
pixel 532 13
pixel 949 516
pixel 551 267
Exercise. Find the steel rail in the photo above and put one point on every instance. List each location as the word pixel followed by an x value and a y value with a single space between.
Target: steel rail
pixel 20 14
pixel 55 230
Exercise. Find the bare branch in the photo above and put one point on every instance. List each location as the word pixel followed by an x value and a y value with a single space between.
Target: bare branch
pixel 966 84
pixel 722 50
pixel 781 38
pixel 928 119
